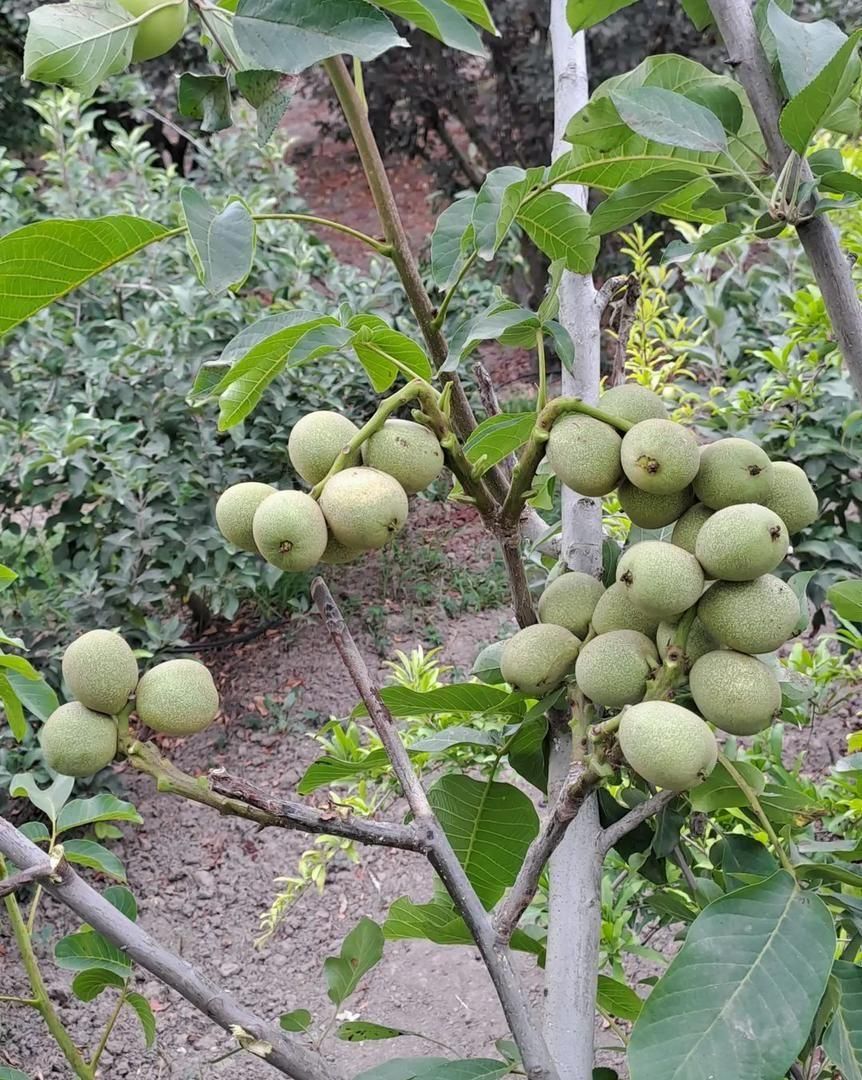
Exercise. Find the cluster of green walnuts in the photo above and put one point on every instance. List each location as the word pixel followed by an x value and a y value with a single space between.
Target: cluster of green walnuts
pixel 177 697
pixel 350 512
pixel 707 601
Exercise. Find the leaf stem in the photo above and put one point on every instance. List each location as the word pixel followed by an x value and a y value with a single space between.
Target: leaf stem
pixel 12 999
pixel 754 802
pixel 440 317
pixel 312 219
pixel 542 397
pixel 109 1027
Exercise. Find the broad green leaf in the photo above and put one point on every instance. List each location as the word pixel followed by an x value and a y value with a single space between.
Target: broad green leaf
pixel 269 93
pixel 238 346
pixel 755 961
pixel 498 436
pixel 846 598
pixel 86 950
pixel 476 11
pixel 495 207
pixel 123 900
pixel 11 703
pixel 805 113
pixel 843 1038
pixel 489 825
pixel 34 694
pixel 360 951
pixel 719 791
pixel 670 118
pixel 97 857
pixel 447 241
pixel 141 1007
pixel 291 35
pixel 41 262
pixel 401 1069
pixel 582 14
pixel 221 243
pixel 439 923
pixel 386 353
pixel 366 1031
pixel 619 154
pixel 635 198
pixel 561 229
pixel 456 735
pixel 7 576
pixel 244 384
pixel 721 101
pixel 804 49
pixel 205 98
pixel 49 800
pixel 439 19
pixel 87 985
pixel 103 807
pixel 455 698
pixel 723 233
pixel 527 753
pixel 18 665
pixel 468 1069
pixel 8 1073
pixel 331 770
pixel 508 324
pixel 799 583
pixel 741 858
pixel 36 831
pixel 840 183
pixel 79 44
pixel 297 1020
pixel 618 999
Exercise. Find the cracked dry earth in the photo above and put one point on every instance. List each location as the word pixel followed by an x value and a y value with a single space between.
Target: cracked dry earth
pixel 201 880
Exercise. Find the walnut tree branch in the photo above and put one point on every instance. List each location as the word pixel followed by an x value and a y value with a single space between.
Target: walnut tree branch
pixel 612 835
pixel 235 797
pixel 829 264
pixel 36 872
pixel 511 993
pixel 276 1048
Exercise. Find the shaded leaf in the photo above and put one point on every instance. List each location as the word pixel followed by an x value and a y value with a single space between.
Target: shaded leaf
pixel 754 961
pixel 401 1069
pixel 360 951
pixel 291 35
pixel 12 708
pixel 699 13
pixel 843 1038
pixel 805 113
pixel 87 950
pixel 476 11
pixel 269 93
pixel 582 14
pixel 79 44
pixel 49 800
pixel 618 999
pixel 386 353
pixel 447 241
pixel 561 229
pixel 34 694
pixel 298 1020
pixel 441 20
pixel 103 807
pixel 719 791
pixel 630 201
pixel 670 118
pixel 498 436
pixel 457 735
pixel 221 243
pixel 87 985
pixel 97 857
pixel 205 98
pixel 846 598
pixel 41 262
pixel 495 207
pixel 489 825
pixel 509 324
pixel 528 753
pixel 123 900
pixel 141 1007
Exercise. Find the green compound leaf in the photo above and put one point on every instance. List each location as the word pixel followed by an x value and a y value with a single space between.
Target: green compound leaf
pixel 755 961
pixel 79 44
pixel 41 262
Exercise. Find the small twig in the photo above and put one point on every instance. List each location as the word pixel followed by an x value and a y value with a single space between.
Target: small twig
pixel 513 998
pixel 579 783
pixel 612 835
pixel 235 797
pixel 610 287
pixel 686 871
pixel 25 877
pixel 285 1053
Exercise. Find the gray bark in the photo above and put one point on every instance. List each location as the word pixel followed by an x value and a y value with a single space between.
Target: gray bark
pixel 829 264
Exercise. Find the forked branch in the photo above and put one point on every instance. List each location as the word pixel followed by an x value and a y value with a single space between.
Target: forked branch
pixel 275 1047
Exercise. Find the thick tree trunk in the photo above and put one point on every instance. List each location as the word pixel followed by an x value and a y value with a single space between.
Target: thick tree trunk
pixel 574 902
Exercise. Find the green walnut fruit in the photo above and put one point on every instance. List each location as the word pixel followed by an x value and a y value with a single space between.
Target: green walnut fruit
pixel 732 471
pixel 661 579
pixel 686 530
pixel 100 671
pixel 612 669
pixel 632 402
pixel 660 456
pixel 585 454
pixel 735 692
pixel 235 512
pixel 570 601
pixel 364 507
pixel 336 554
pixel 177 697
pixel 407 451
pixel 486 666
pixel 159 32
pixel 538 658
pixel 792 497
pixel 750 616
pixel 316 441
pixel 651 511
pixel 615 611
pixel 741 542
pixel 698 642
pixel 669 746
pixel 78 741
pixel 290 531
